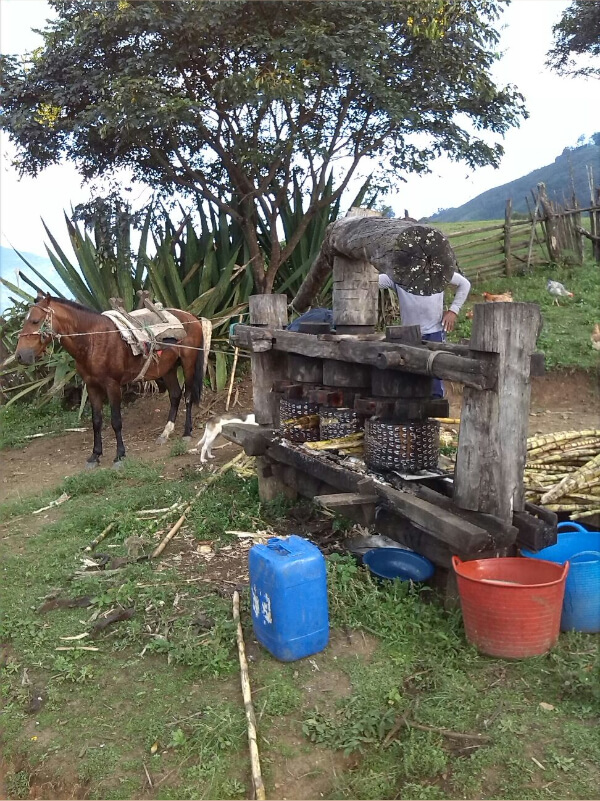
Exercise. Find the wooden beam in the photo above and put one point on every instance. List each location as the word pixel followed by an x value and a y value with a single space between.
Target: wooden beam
pixel 492 444
pixel 345 499
pixel 267 311
pixel 473 372
pixel 456 532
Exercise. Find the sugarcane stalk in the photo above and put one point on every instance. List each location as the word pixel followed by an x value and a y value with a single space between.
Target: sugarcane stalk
pixel 587 513
pixel 103 534
pixel 301 422
pixel 339 442
pixel 534 443
pixel 590 470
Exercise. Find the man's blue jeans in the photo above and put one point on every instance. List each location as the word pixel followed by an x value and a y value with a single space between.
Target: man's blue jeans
pixel 437 387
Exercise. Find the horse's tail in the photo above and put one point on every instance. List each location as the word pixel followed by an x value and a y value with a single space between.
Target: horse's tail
pixel 201 361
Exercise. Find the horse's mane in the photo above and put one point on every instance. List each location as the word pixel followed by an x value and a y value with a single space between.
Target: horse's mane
pixel 74 305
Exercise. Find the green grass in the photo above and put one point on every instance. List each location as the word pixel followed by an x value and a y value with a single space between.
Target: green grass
pixel 565 337
pixel 163 692
pixel 23 419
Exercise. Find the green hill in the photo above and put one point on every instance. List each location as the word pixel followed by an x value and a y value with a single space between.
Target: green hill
pixel 568 169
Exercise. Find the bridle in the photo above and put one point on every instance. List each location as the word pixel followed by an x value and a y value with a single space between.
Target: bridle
pixel 45 330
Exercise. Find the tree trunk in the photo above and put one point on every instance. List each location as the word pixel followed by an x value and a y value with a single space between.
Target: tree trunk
pixel 417 257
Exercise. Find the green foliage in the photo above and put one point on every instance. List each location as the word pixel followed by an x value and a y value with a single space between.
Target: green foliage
pixel 232 115
pixel 577 34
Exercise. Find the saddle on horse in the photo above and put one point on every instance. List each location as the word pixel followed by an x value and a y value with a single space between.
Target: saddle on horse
pixel 145 329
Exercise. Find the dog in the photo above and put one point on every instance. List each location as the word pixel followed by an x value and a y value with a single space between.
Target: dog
pixel 212 430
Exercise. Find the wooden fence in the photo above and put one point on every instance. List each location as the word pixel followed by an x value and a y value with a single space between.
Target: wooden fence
pixel 551 235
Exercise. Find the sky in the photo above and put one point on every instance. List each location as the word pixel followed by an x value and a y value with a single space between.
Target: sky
pixel 561 110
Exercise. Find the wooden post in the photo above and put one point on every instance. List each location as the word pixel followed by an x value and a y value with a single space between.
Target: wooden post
pixel 507 221
pixel 268 311
pixel 267 367
pixel 355 296
pixel 492 445
pixel 551 226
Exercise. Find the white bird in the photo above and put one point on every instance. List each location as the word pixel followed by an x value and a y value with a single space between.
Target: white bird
pixel 558 290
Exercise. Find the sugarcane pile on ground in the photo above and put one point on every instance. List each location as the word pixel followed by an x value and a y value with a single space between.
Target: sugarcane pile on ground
pixel 563 472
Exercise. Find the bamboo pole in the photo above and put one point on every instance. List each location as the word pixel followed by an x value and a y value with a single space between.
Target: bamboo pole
pixel 103 534
pixel 259 787
pixel 211 480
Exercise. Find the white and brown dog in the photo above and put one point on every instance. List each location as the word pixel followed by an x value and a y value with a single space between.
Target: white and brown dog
pixel 212 430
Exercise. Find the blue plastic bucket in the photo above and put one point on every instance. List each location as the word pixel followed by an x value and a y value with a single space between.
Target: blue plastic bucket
pixel 580 547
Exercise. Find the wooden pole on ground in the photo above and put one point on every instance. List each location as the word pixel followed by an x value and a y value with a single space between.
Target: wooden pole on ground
pixel 492 443
pixel 259 787
pixel 174 529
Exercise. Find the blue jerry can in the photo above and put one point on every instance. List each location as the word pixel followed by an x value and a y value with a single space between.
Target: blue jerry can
pixel 288 586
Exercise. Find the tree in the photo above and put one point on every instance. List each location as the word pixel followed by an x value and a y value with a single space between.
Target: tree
pixel 236 102
pixel 577 34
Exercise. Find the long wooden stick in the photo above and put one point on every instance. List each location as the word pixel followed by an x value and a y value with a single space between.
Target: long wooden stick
pixel 236 354
pixel 259 787
pixel 173 531
pixel 458 735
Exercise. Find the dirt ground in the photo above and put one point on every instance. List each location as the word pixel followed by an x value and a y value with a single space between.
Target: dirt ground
pixel 559 402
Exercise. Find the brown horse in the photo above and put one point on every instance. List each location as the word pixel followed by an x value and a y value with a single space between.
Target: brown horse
pixel 105 361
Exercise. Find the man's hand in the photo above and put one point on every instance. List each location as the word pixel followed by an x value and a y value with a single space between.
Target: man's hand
pixel 448 320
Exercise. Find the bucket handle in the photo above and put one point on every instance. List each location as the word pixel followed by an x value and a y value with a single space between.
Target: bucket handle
pixel 586 553
pixel 456 563
pixel 568 523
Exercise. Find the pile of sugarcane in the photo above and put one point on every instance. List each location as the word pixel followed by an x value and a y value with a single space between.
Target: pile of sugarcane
pixel 563 472
pixel 352 445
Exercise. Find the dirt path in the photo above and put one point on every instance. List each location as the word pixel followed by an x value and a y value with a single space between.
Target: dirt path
pixel 560 401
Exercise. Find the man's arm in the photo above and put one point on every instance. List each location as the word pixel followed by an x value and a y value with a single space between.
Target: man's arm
pixel 385 282
pixel 463 288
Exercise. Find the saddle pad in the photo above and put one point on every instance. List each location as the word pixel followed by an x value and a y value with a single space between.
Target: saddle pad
pixel 148 328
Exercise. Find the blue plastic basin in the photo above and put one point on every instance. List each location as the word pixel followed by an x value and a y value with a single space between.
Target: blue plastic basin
pixel 581 548
pixel 396 563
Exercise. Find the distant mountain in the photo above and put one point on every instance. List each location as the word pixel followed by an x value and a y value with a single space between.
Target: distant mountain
pixel 9 262
pixel 568 169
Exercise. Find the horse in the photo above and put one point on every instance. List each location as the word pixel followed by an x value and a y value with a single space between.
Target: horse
pixel 105 361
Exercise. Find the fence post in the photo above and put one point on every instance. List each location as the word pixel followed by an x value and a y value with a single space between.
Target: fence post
pixel 552 232
pixel 507 222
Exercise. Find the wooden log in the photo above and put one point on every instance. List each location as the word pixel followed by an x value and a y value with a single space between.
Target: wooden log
pixel 305 369
pixel 492 445
pixel 342 502
pixel 314 328
pixel 475 372
pixel 325 471
pixel 405 409
pixel 267 311
pixel 270 481
pixel 396 384
pixel 417 257
pixel 343 374
pixel 253 439
pixel 398 528
pixel 456 532
pixel 355 295
pixel 409 334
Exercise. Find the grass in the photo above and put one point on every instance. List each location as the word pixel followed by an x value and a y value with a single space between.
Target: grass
pixel 162 692
pixel 19 421
pixel 565 337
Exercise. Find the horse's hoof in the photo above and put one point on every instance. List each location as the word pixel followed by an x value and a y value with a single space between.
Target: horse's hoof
pixel 92 463
pixel 162 440
pixel 117 464
pixel 187 438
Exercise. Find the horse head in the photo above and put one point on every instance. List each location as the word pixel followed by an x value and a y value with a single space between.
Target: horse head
pixel 36 332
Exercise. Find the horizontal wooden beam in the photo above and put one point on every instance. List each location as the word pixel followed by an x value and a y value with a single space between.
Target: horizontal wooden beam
pixel 478 373
pixel 345 499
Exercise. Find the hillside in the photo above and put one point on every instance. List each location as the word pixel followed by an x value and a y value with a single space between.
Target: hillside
pixel 569 167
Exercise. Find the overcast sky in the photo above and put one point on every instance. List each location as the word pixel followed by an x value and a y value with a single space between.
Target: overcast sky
pixel 561 110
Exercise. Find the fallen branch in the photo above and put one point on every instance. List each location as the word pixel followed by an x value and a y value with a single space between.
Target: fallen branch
pixel 587 233
pixel 259 787
pixel 173 531
pixel 77 648
pixel 64 497
pixel 457 735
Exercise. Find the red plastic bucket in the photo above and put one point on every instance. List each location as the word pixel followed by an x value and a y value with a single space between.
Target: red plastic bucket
pixel 511 606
